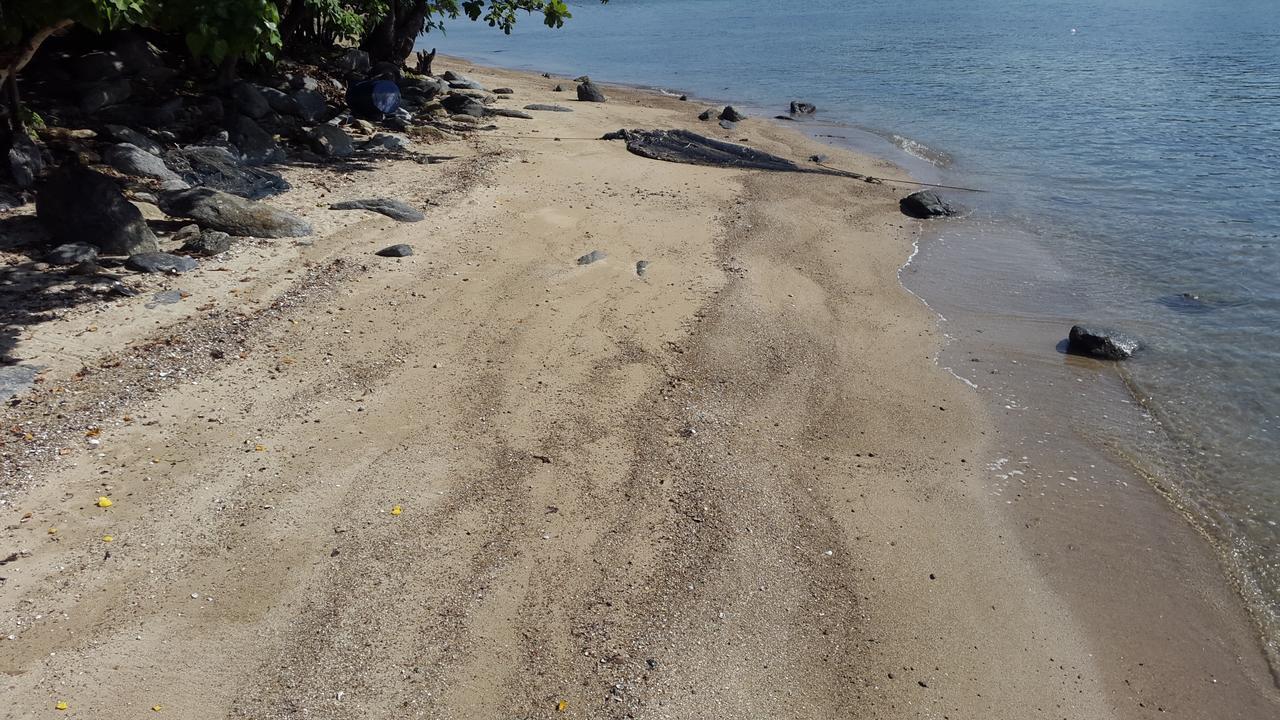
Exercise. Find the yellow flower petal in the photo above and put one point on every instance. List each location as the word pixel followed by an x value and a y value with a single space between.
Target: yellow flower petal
pixel 562 706
pixel 107 538
pixel 53 531
pixel 396 510
pixel 62 705
pixel 105 501
pixel 157 708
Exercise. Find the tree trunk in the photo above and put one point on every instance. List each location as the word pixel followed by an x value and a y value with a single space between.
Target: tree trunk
pixel 293 19
pixel 392 39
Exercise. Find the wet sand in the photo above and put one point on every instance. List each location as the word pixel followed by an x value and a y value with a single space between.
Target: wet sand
pixel 738 486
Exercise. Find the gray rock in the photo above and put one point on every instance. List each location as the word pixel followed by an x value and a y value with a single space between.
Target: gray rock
pixel 207 243
pixel 97 65
pixel 165 297
pixel 256 145
pixel 706 115
pixel 463 105
pixel 354 61
pixel 728 113
pixel 508 112
pixel 249 100
pixel 281 102
pixel 802 108
pixel 123 134
pixel 1101 343
pixel 588 92
pixel 17 379
pixel 71 254
pixel 309 105
pixel 593 256
pixel 133 160
pixel 9 202
pixel 98 95
pixel 461 82
pixel 386 141
pixel 161 262
pixel 217 168
pixel 77 204
pixel 331 141
pixel 394 209
pixel 400 250
pixel 642 266
pixel 927 204
pixel 231 214
pixel 728 124
pixel 303 82
pixel 25 160
pixel 166 114
pixel 548 108
pixel 503 91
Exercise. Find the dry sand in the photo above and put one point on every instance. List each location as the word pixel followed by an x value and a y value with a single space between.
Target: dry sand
pixel 738 486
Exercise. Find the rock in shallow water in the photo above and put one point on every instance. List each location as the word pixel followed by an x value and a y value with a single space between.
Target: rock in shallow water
pixel 1101 343
pixel 927 204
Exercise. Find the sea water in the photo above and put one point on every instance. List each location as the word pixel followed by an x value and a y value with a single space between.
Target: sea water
pixel 1131 150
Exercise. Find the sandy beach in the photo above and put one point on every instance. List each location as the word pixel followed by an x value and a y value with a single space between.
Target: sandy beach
pixel 487 481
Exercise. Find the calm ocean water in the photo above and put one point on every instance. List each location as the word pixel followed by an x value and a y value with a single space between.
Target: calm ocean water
pixel 1132 148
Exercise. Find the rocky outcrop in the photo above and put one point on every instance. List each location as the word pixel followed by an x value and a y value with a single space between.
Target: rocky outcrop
pixel 1103 343
pixel 77 204
pixel 232 214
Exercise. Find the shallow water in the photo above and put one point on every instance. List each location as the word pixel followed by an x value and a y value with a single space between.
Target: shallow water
pixel 1132 151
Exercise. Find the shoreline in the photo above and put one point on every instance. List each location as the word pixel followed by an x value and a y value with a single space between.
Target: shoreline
pixel 701 559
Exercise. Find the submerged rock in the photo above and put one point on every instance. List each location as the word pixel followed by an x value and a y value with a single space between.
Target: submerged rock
pixel 232 214
pixel 77 204
pixel 802 108
pixel 1101 343
pixel 394 209
pixel 927 204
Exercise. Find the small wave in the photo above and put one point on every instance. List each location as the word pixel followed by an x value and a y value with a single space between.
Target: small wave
pixel 919 150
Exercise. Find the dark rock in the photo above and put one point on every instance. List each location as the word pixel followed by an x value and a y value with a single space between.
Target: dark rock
pixel 207 243
pixel 17 379
pixel 123 134
pixel 582 79
pixel 133 160
pixel 926 204
pixel 9 202
pixel 77 204
pixel 818 158
pixel 728 124
pixel 548 108
pixel 302 82
pixel 728 113
pixel 558 88
pixel 593 256
pixel 166 114
pixel 134 51
pixel 394 209
pixel 503 91
pixel 387 142
pixel 256 145
pixel 309 105
pixel 97 65
pixel 706 115
pixel 396 122
pixel 384 70
pixel 160 262
pixel 280 102
pixel 71 254
pixel 96 96
pixel 508 112
pixel 684 98
pixel 463 105
pixel 642 267
pixel 217 168
pixel 802 108
pixel 588 92
pixel 400 250
pixel 1100 343
pixel 231 214
pixel 249 100
pixel 331 141
pixel 354 61
pixel 461 82
pixel 26 163
pixel 165 297
pixel 373 98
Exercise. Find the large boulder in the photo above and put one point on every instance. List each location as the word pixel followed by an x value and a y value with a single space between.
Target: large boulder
pixel 729 114
pixel 217 168
pixel 309 105
pixel 588 92
pixel 133 160
pixel 97 65
pixel 125 134
pixel 331 141
pixel 1103 343
pixel 77 204
pixel 354 61
pixel 256 145
pixel 249 100
pixel 461 82
pixel 231 214
pixel 463 105
pixel 927 204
